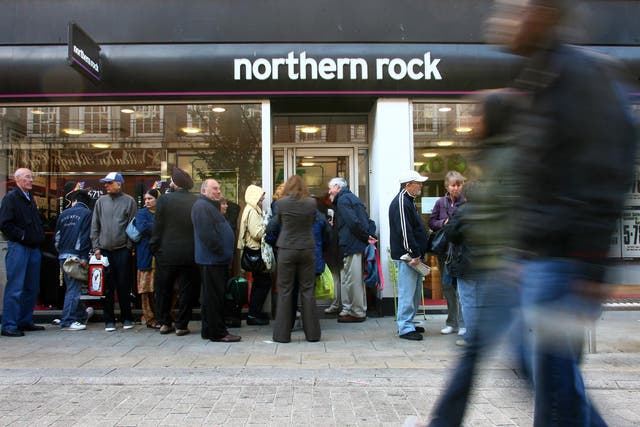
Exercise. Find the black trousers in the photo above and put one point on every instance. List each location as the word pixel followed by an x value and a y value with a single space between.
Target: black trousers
pixel 213 280
pixel 259 292
pixel 188 281
pixel 117 279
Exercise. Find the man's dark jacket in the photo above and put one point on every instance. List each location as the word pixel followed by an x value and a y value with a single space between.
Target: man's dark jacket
pixel 19 219
pixel 407 231
pixel 354 225
pixel 215 241
pixel 172 237
pixel 73 231
pixel 576 152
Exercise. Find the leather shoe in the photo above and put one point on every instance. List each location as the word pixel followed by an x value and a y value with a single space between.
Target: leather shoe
pixel 228 338
pixel 257 321
pixel 17 333
pixel 166 329
pixel 413 336
pixel 420 329
pixel 182 332
pixel 32 328
pixel 351 319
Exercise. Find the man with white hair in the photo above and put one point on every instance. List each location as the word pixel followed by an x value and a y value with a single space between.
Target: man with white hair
pixel 21 225
pixel 355 230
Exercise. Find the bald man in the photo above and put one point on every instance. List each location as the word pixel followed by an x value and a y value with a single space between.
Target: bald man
pixel 21 225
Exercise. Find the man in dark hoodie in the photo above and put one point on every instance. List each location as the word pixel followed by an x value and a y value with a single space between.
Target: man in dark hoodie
pixel 72 240
pixel 21 225
pixel 214 246
pixel 172 244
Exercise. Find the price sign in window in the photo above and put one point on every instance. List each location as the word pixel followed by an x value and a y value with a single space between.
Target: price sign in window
pixel 630 233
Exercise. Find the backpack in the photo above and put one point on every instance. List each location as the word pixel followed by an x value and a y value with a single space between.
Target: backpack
pixel 237 291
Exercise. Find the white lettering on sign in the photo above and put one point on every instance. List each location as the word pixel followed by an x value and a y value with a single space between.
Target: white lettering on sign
pixel 85 58
pixel 301 67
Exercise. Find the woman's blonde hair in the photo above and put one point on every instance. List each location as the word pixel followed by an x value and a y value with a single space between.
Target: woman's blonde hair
pixel 453 177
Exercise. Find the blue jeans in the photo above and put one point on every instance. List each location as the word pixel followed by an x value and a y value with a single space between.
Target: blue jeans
pixel 73 310
pixel 468 293
pixel 409 292
pixel 496 311
pixel 556 312
pixel 23 285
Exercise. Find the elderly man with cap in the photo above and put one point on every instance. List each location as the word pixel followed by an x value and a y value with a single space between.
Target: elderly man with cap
pixel 112 213
pixel 408 237
pixel 173 246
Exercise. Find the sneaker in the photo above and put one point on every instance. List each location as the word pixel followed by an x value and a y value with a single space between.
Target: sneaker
pixel 166 329
pixel 332 310
pixel 447 330
pixel 420 329
pixel 182 332
pixel 462 331
pixel 413 336
pixel 110 327
pixel 461 343
pixel 127 324
pixel 75 326
pixel 90 312
pixel 55 322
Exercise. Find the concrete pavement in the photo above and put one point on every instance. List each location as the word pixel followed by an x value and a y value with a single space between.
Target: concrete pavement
pixel 358 374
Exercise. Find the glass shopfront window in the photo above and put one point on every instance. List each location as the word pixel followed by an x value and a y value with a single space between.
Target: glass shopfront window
pixel 70 146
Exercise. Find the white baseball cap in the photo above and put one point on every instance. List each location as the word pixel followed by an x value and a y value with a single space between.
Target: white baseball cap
pixel 412 175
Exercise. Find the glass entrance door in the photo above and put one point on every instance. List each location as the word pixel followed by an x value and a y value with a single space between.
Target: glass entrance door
pixel 317 166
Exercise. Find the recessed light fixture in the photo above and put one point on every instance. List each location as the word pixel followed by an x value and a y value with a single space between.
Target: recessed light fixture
pixel 444 143
pixel 308 157
pixel 190 130
pixel 309 129
pixel 463 129
pixel 127 110
pixel 308 164
pixel 218 109
pixel 37 111
pixel 100 145
pixel 428 155
pixel 73 131
pixel 418 164
pixel 444 109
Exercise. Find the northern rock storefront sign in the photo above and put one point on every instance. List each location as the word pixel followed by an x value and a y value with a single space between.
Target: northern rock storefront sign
pixel 85 160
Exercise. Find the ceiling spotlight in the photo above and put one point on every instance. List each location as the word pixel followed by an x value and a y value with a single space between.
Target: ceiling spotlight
pixel 418 164
pixel 307 164
pixel 429 155
pixel 309 129
pixel 190 130
pixel 444 143
pixel 218 109
pixel 37 111
pixel 73 131
pixel 463 129
pixel 127 110
pixel 444 109
pixel 100 145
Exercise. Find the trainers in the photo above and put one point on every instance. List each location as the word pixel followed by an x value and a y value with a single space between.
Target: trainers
pixel 420 329
pixel 127 324
pixel 75 326
pixel 110 327
pixel 55 322
pixel 332 310
pixel 461 343
pixel 447 330
pixel 413 336
pixel 166 329
pixel 182 332
pixel 462 331
pixel 90 312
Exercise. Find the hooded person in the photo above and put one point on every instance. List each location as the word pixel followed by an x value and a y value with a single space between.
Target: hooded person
pixel 252 229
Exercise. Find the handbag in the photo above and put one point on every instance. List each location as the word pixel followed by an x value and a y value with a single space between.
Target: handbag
pixel 74 269
pixel 268 257
pixel 324 285
pixel 251 260
pixel 132 231
pixel 438 242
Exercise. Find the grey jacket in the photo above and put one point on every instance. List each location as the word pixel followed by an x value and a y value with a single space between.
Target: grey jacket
pixel 111 215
